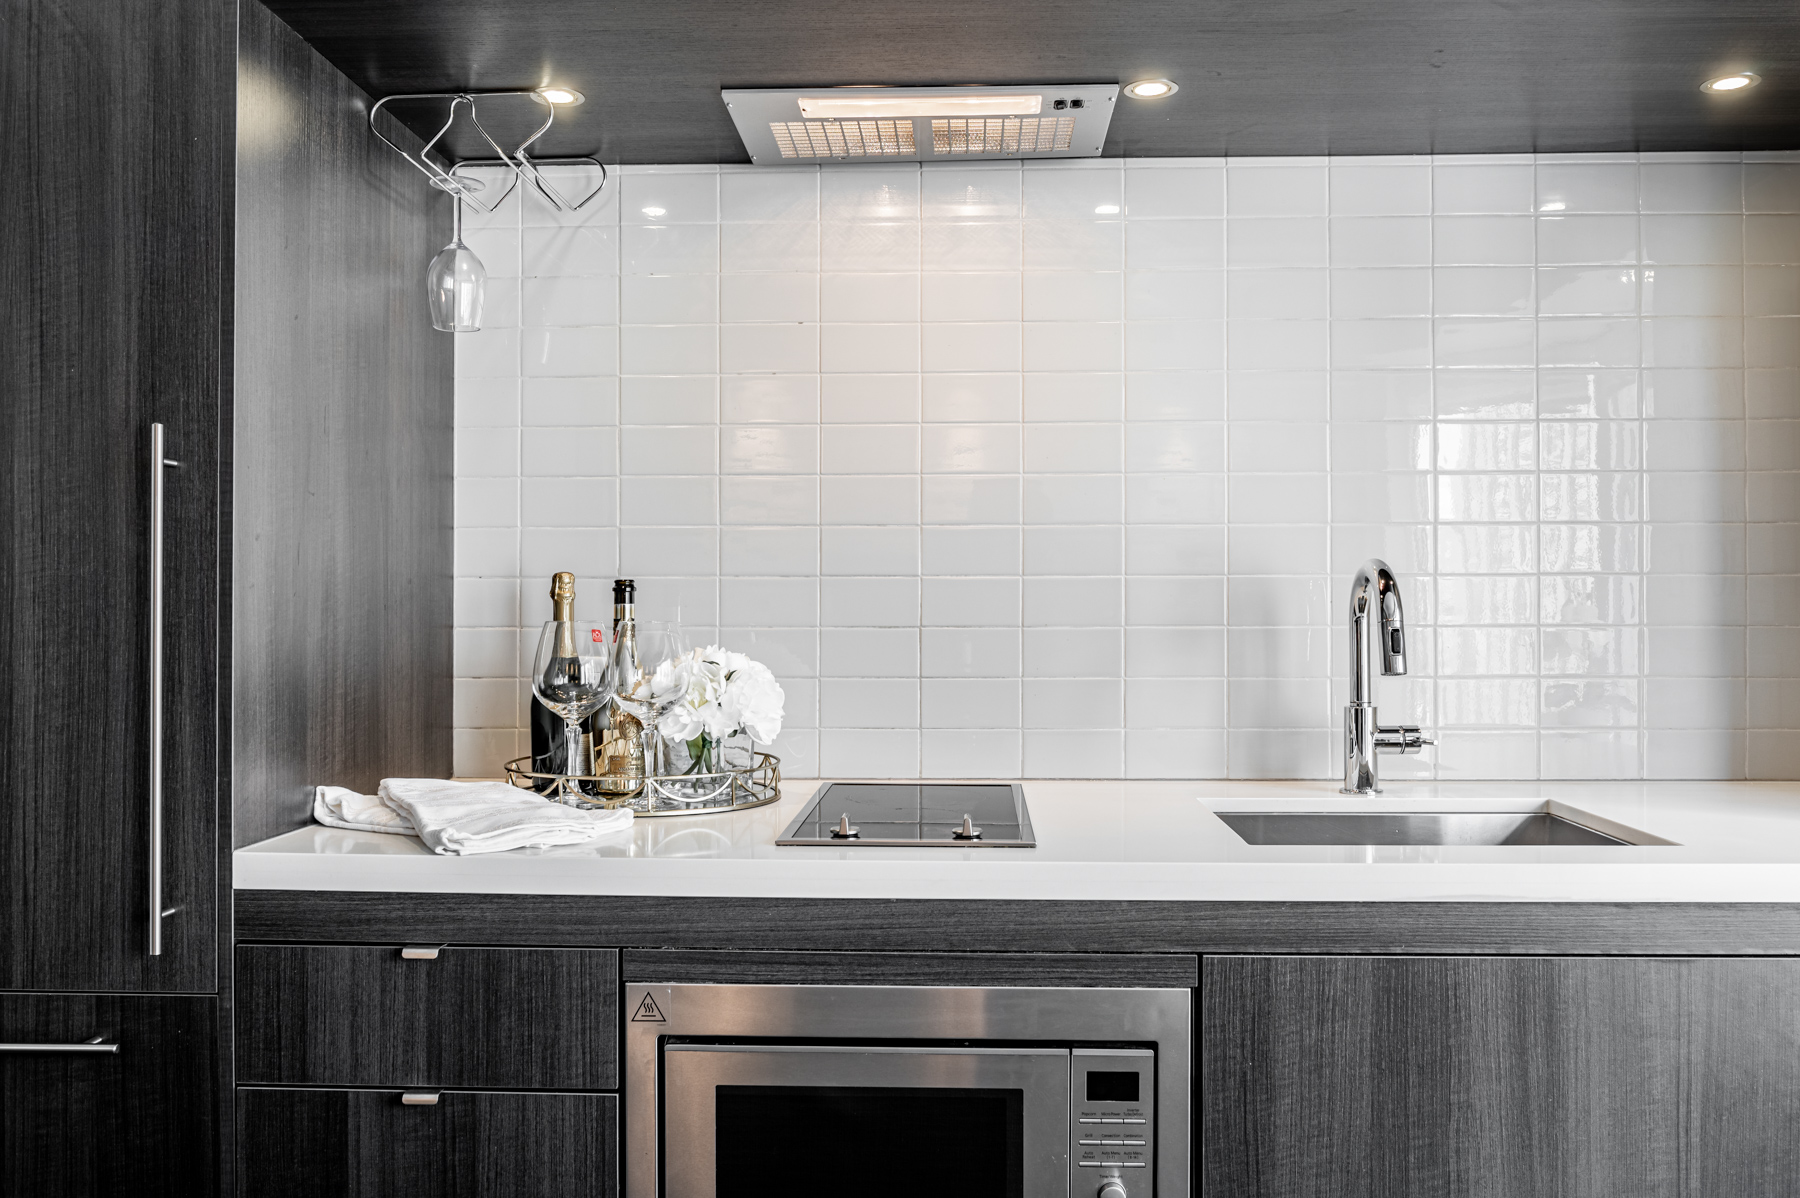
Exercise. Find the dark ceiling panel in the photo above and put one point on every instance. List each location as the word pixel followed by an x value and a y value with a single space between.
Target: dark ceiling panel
pixel 1257 76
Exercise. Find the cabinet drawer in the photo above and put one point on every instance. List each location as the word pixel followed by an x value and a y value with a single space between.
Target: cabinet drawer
pixel 142 1121
pixel 356 1143
pixel 495 1018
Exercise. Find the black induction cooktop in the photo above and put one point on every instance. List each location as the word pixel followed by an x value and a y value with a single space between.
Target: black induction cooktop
pixel 960 815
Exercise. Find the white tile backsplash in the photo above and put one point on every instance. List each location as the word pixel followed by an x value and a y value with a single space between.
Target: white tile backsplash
pixel 1060 468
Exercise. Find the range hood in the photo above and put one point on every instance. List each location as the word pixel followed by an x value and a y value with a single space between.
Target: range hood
pixel 790 126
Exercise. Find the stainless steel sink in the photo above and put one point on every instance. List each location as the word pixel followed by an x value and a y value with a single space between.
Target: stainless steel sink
pixel 1414 828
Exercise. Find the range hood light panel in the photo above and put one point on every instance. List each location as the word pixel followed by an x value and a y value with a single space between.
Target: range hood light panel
pixel 829 108
pixel 801 125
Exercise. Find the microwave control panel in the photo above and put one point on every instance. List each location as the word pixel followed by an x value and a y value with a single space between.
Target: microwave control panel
pixel 1112 1123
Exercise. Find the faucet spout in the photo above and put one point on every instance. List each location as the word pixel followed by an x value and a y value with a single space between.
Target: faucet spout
pixel 1377 625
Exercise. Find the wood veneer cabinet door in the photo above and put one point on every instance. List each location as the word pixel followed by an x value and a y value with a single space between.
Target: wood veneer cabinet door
pixel 113 261
pixel 368 1144
pixel 1388 1077
pixel 139 1123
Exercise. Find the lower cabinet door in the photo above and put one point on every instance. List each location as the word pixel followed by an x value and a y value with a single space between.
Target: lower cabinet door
pixel 1500 1077
pixel 295 1143
pixel 142 1121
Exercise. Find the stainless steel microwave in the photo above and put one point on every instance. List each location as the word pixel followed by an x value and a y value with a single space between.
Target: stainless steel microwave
pixel 872 1091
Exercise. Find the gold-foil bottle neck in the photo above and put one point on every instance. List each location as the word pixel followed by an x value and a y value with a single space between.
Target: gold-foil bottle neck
pixel 562 595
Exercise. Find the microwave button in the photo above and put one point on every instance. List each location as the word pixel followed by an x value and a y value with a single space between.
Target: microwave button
pixel 1086 1120
pixel 1124 1120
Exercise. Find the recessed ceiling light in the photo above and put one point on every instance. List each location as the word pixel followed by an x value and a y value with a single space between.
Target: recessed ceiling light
pixel 1150 89
pixel 560 95
pixel 655 211
pixel 1731 83
pixel 1106 210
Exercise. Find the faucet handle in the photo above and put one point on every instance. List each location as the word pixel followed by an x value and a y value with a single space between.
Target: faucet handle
pixel 1401 738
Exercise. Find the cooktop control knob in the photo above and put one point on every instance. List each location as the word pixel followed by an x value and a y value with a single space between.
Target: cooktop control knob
pixel 1114 1188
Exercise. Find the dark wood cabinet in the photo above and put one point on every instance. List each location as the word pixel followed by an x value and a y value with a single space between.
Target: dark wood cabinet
pixel 1385 1077
pixel 139 1121
pixel 368 1144
pixel 514 1018
pixel 114 274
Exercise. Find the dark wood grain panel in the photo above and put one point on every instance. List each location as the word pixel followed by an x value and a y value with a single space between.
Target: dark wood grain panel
pixel 677 966
pixel 1392 1078
pixel 140 1122
pixel 919 925
pixel 498 1018
pixel 1300 77
pixel 112 276
pixel 365 1144
pixel 342 502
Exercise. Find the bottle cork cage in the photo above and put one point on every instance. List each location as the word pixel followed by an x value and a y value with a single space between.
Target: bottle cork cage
pixel 921 124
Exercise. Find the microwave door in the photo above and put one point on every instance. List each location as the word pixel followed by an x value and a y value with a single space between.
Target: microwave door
pixel 804 1121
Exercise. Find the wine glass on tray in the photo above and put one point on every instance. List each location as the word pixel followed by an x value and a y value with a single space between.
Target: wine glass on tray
pixel 572 676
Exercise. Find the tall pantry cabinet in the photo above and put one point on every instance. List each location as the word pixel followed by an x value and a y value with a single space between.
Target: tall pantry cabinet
pixel 245 279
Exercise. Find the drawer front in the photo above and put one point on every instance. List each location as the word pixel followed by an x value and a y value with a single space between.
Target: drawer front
pixel 143 1121
pixel 368 1144
pixel 483 1018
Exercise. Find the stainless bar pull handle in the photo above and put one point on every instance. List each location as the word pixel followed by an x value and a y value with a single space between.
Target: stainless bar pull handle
pixel 420 1097
pixel 157 911
pixel 421 952
pixel 99 1044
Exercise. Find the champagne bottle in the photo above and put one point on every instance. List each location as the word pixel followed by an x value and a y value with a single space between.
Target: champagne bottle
pixel 549 751
pixel 620 744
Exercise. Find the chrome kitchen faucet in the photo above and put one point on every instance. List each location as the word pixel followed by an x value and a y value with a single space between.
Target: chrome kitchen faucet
pixel 1364 736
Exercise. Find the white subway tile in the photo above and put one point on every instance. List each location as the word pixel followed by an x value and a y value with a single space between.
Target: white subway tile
pixel 869 246
pixel 869 193
pixel 1079 295
pixel 953 499
pixel 868 703
pixel 869 499
pixel 1072 550
pixel 969 702
pixel 1072 244
pixel 1296 294
pixel 1381 241
pixel 976 245
pixel 968 653
pixel 1086 755
pixel 953 551
pixel 1253 189
pixel 968 753
pixel 1196 602
pixel 1587 187
pixel 853 398
pixel 668 500
pixel 969 296
pixel 868 652
pixel 980 189
pixel 1482 188
pixel 869 602
pixel 869 753
pixel 869 550
pixel 1266 242
pixel 1483 241
pixel 789 194
pixel 787 296
pixel 1067 193
pixel 1072 396
pixel 869 297
pixel 868 348
pixel 1173 193
pixel 1072 602
pixel 970 448
pixel 965 398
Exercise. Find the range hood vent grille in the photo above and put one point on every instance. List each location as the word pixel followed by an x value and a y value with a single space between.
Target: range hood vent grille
pixel 996 135
pixel 844 139
pixel 921 124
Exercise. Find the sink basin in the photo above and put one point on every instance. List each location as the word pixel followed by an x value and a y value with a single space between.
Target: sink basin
pixel 1415 828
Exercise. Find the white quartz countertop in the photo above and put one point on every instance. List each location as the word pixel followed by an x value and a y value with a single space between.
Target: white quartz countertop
pixel 1110 840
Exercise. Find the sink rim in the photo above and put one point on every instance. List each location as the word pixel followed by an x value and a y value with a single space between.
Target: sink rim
pixel 1627 835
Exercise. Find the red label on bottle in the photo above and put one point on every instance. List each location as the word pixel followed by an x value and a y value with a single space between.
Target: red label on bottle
pixel 599 636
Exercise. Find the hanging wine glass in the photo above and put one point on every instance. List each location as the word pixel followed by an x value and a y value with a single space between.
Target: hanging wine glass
pixel 456 282
pixel 572 676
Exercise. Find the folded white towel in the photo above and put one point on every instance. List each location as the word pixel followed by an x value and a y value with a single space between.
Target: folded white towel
pixel 341 807
pixel 465 817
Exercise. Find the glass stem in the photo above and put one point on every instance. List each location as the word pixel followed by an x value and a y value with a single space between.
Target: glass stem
pixel 574 764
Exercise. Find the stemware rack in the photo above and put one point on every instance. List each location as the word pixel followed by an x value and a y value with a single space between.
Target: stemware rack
pixel 738 789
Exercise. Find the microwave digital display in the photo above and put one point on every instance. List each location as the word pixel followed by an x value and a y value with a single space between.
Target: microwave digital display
pixel 1105 1085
